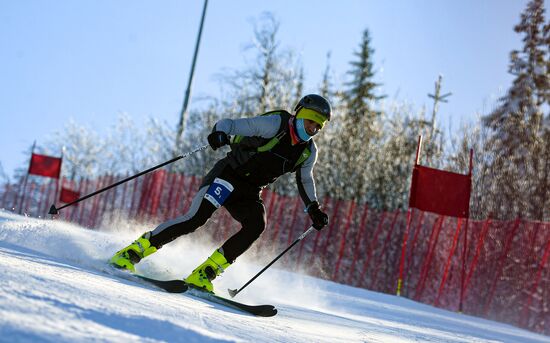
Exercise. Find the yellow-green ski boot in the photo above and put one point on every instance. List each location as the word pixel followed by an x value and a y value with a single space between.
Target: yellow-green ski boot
pixel 202 276
pixel 132 254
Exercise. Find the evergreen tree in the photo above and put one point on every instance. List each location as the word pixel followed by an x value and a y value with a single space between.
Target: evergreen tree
pixel 361 89
pixel 520 185
pixel 326 85
pixel 299 86
pixel 361 123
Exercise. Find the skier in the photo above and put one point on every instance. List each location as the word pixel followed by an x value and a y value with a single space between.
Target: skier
pixel 262 149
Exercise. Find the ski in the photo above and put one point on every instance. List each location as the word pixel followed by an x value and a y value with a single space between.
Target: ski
pixel 256 310
pixel 171 286
pixel 180 286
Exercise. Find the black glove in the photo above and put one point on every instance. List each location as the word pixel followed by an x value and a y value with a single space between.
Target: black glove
pixel 217 139
pixel 320 218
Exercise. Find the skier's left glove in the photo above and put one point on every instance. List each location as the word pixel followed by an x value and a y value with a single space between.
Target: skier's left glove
pixel 217 139
pixel 319 218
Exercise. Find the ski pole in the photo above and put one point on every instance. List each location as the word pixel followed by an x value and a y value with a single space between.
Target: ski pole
pixel 233 292
pixel 55 210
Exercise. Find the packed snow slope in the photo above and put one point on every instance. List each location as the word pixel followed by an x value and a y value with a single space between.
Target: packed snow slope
pixel 53 288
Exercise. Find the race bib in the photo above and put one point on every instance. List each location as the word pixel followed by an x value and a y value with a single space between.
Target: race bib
pixel 218 192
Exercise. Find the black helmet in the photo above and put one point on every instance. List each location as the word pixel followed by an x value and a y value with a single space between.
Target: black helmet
pixel 315 102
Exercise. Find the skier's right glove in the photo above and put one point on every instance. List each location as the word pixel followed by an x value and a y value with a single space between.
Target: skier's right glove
pixel 319 218
pixel 217 139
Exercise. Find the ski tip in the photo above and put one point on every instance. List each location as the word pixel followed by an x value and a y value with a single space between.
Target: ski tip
pixel 53 210
pixel 267 312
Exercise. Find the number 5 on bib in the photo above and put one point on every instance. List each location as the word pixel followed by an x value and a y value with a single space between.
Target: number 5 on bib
pixel 218 192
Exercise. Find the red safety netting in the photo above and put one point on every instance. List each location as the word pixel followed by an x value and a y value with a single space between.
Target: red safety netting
pixel 506 269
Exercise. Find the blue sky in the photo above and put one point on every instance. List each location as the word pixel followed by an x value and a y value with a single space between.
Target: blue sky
pixel 90 60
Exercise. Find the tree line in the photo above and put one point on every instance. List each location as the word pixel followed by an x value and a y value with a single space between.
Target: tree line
pixel 367 151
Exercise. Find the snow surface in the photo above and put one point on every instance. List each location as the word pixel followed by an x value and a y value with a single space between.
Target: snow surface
pixel 53 288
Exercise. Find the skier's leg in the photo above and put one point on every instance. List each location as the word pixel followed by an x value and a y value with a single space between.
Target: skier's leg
pixel 219 193
pixel 251 215
pixel 197 215
pixel 149 242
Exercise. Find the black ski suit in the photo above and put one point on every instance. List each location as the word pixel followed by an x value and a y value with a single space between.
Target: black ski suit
pixel 261 151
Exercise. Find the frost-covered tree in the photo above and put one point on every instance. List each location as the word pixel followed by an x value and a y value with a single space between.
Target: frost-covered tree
pixel 326 89
pixel 390 168
pixel 3 176
pixel 124 148
pixel 200 124
pixel 266 43
pixel 269 81
pixel 85 152
pixel 360 122
pixel 472 136
pixel 361 91
pixel 299 85
pixel 519 143
pixel 327 175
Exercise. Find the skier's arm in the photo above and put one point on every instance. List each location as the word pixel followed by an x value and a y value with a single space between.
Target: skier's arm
pixel 304 178
pixel 263 126
pixel 306 187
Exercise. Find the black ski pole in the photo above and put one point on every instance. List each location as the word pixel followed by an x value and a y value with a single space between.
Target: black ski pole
pixel 55 210
pixel 233 292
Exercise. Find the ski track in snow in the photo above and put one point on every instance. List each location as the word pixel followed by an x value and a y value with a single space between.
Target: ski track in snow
pixel 54 288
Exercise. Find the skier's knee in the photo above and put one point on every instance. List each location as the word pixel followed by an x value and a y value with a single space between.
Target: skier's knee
pixel 255 224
